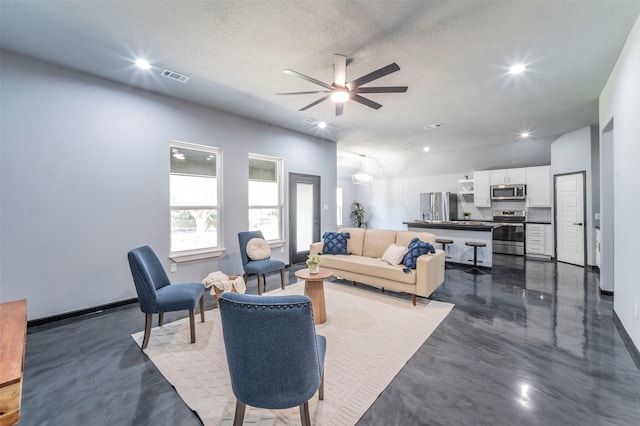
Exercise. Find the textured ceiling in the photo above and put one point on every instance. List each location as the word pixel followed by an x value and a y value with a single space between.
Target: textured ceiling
pixel 453 57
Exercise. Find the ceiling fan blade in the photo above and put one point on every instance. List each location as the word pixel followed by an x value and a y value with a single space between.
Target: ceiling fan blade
pixel 324 98
pixel 379 73
pixel 365 101
pixel 309 79
pixel 340 68
pixel 339 109
pixel 384 89
pixel 304 93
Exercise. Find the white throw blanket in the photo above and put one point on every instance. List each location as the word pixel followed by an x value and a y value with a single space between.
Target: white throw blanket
pixel 222 282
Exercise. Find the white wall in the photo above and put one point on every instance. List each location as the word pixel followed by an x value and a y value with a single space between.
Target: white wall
pixel 394 196
pixel 84 178
pixel 571 153
pixel 620 101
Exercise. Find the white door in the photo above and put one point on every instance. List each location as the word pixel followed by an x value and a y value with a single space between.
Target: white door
pixel 570 218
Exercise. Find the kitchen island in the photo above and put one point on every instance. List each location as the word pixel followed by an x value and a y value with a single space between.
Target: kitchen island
pixel 460 232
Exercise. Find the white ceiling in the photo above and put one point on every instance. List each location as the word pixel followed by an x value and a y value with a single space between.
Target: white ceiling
pixel 453 57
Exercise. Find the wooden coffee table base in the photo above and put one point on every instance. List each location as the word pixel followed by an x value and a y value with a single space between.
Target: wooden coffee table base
pixel 314 289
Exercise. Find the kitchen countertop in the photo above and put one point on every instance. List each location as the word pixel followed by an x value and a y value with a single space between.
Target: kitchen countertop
pixel 462 225
pixel 539 222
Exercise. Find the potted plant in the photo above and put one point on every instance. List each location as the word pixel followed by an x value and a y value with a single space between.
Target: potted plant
pixel 357 214
pixel 313 263
pixel 466 215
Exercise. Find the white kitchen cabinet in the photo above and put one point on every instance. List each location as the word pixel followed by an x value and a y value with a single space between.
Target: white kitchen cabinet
pixel 482 189
pixel 538 186
pixel 548 240
pixel 508 176
pixel 539 240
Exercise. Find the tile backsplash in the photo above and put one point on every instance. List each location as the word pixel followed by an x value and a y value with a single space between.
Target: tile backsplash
pixel 465 204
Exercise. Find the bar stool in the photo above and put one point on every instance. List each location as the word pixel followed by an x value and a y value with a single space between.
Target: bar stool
pixel 475 246
pixel 444 243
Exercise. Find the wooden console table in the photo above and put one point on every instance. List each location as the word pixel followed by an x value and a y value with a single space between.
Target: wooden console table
pixel 13 329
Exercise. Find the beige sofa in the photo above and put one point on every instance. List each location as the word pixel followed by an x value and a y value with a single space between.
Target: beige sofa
pixel 364 265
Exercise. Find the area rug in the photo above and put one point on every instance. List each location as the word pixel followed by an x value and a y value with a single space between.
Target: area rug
pixel 370 337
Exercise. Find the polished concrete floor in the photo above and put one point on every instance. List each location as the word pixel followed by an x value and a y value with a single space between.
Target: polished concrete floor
pixel 532 343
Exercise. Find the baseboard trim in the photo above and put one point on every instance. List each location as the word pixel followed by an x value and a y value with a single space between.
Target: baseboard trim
pixel 73 314
pixel 628 343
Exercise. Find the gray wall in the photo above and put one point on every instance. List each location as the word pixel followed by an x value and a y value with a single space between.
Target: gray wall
pixel 620 104
pixel 572 153
pixel 84 178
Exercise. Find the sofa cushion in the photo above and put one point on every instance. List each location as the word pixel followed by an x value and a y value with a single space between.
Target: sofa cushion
pixel 403 238
pixel 367 266
pixel 376 242
pixel 335 243
pixel 394 254
pixel 258 249
pixel 356 240
pixel 416 249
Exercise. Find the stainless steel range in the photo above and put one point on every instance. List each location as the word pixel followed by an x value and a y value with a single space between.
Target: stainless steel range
pixel 508 231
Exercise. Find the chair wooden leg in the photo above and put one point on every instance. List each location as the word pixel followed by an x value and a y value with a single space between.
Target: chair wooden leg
pixel 238 418
pixel 148 319
pixel 202 308
pixel 192 325
pixel 305 419
pixel 282 278
pixel 413 299
pixel 321 390
pixel 259 284
pixel 160 319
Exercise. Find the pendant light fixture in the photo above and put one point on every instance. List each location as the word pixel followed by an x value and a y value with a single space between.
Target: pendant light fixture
pixel 362 177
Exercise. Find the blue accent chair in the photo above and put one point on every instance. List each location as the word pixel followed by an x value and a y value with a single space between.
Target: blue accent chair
pixel 156 295
pixel 258 267
pixel 279 364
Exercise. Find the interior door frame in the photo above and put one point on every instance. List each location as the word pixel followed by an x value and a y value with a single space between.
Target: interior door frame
pixel 584 214
pixel 296 256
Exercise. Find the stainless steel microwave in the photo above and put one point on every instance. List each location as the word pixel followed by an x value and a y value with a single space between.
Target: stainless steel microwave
pixel 508 192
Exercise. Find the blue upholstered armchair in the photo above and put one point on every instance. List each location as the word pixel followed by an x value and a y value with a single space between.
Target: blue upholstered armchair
pixel 156 295
pixel 258 267
pixel 275 358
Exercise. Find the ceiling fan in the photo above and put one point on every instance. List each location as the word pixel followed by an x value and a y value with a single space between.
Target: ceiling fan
pixel 341 91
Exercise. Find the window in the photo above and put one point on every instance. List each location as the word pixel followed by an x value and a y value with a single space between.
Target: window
pixel 265 196
pixel 339 205
pixel 194 198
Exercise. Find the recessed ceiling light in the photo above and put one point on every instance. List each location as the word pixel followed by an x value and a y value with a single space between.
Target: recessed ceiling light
pixel 426 149
pixel 406 144
pixel 525 135
pixel 322 124
pixel 517 69
pixel 143 64
pixel 434 126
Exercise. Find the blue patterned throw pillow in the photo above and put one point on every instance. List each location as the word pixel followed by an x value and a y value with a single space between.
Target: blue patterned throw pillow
pixel 416 249
pixel 335 243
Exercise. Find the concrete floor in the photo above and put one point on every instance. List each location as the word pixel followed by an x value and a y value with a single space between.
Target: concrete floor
pixel 532 343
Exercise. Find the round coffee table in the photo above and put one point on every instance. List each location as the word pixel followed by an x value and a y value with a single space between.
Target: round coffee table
pixel 314 288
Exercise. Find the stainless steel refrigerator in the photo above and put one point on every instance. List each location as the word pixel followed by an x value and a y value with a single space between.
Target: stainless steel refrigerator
pixel 439 206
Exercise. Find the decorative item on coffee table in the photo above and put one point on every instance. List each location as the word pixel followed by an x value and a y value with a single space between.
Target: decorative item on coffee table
pixel 313 263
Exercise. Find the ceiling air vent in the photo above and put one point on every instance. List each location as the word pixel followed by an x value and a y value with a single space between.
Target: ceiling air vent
pixel 175 76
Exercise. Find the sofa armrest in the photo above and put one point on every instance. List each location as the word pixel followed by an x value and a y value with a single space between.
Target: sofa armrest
pixel 430 273
pixel 316 248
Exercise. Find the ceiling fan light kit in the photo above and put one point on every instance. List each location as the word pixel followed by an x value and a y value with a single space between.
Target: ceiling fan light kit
pixel 341 91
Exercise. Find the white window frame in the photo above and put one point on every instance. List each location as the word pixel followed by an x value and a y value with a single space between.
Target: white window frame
pixel 206 252
pixel 280 207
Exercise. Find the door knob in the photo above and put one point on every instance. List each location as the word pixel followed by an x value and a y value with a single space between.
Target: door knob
pixel 578 224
